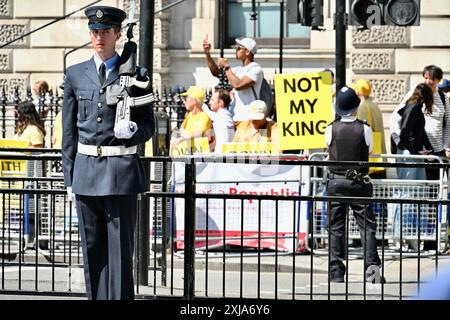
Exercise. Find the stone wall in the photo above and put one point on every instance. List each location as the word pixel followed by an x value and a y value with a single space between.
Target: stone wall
pixel 391 58
pixel 42 55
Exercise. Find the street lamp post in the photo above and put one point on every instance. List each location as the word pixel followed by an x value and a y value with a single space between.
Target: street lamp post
pixel 340 27
pixel 147 9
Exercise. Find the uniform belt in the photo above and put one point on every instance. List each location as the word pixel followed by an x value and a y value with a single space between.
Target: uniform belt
pixel 353 175
pixel 105 151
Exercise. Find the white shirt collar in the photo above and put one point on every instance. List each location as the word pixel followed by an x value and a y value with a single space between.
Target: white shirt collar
pixel 348 118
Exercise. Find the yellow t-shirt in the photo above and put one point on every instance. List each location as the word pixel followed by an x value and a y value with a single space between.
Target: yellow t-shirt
pixel 196 125
pixel 57 131
pixel 246 133
pixel 33 135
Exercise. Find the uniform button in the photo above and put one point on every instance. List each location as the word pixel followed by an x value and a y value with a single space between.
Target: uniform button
pixel 101 91
pixel 99 105
pixel 99 119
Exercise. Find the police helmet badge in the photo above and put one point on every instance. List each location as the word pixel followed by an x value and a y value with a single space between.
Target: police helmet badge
pixel 99 14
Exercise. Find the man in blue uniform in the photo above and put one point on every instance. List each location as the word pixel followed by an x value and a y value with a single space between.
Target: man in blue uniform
pixel 350 139
pixel 102 170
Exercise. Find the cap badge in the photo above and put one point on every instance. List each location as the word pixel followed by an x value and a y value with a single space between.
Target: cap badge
pixel 99 14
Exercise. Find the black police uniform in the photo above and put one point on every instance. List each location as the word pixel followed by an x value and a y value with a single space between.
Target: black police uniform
pixel 348 143
pixel 106 187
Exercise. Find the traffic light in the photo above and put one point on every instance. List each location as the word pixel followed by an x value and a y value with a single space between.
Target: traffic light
pixel 364 13
pixel 369 13
pixel 305 12
pixel 402 12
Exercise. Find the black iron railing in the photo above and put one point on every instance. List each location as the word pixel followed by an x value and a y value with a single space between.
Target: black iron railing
pixel 203 243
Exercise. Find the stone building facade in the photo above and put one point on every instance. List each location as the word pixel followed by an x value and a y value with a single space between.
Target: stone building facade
pixel 392 58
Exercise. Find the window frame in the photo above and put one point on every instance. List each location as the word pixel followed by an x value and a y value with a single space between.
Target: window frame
pixel 265 42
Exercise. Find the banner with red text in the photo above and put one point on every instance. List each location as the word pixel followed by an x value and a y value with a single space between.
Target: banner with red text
pixel 266 224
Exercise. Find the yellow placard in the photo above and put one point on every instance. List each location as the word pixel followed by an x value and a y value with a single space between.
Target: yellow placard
pixel 251 147
pixel 12 168
pixel 191 146
pixel 304 109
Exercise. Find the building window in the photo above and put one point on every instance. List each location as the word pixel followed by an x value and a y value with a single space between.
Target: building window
pixel 266 30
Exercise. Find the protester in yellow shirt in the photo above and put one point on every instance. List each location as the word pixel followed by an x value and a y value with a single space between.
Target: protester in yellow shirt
pixel 257 128
pixel 197 123
pixel 57 131
pixel 29 125
pixel 370 112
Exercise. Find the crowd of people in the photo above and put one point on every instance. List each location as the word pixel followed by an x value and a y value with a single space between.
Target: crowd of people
pixel 239 115
pixel 420 125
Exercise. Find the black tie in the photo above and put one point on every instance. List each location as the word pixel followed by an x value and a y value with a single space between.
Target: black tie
pixel 102 74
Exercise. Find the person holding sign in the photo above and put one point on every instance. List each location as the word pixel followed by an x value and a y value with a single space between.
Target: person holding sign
pixel 257 128
pixel 197 123
pixel 349 139
pixel 245 79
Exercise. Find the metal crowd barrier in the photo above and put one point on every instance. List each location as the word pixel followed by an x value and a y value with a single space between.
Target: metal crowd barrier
pixel 206 253
pixel 427 221
pixel 56 216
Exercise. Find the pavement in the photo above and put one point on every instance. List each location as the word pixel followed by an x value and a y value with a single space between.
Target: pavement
pixel 242 275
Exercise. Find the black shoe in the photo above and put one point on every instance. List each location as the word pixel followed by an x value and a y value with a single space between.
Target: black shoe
pixel 337 279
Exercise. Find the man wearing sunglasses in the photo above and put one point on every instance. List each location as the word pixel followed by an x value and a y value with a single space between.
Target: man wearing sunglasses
pixel 245 79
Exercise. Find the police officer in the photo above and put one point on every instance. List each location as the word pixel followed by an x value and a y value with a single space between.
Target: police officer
pixel 101 168
pixel 349 139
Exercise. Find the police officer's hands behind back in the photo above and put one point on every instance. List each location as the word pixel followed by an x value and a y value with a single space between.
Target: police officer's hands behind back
pixel 125 129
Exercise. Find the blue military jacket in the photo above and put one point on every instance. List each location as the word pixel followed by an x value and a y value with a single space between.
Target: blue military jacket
pixel 88 119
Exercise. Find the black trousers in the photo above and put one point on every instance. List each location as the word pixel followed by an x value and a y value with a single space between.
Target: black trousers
pixel 365 219
pixel 107 227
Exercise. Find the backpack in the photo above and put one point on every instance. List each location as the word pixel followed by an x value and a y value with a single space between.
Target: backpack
pixel 266 95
